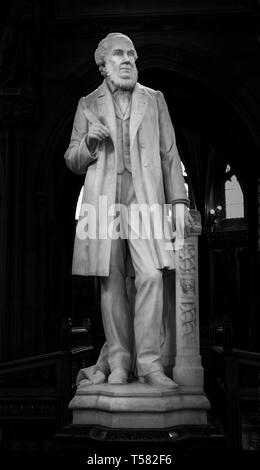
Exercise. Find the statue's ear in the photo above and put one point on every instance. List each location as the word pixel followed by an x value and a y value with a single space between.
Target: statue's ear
pixel 102 69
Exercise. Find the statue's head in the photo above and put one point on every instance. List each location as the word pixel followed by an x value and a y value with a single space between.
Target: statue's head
pixel 116 56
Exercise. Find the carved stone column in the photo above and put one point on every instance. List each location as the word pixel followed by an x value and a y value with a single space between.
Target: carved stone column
pixel 188 369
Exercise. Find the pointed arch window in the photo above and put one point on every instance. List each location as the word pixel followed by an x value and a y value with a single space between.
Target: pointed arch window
pixel 234 199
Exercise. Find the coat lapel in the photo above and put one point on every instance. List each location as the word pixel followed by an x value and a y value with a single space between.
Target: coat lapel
pixel 106 110
pixel 139 105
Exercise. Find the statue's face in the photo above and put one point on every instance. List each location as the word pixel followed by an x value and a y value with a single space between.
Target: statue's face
pixel 120 59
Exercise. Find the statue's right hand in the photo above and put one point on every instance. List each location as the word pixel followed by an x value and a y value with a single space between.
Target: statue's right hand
pixel 97 132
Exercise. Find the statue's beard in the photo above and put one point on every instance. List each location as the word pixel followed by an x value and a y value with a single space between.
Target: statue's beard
pixel 123 83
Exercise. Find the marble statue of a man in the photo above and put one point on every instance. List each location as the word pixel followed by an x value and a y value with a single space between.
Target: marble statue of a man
pixel 124 141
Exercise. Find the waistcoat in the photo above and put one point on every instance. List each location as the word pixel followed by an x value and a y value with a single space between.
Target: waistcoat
pixel 123 138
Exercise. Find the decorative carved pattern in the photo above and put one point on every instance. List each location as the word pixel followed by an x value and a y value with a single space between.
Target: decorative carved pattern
pixel 188 286
pixel 187 259
pixel 188 319
pixel 187 300
pixel 196 229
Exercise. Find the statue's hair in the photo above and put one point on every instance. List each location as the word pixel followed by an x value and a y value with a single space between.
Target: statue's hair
pixel 102 48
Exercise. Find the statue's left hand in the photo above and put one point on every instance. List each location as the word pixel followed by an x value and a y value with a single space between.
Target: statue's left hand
pixel 182 220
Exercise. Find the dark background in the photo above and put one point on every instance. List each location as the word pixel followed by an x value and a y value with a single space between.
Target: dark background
pixel 204 56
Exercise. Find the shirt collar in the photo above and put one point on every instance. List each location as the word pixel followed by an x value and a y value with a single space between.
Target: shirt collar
pixel 111 86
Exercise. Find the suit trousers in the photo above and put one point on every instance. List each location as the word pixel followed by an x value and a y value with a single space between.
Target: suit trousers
pixel 132 336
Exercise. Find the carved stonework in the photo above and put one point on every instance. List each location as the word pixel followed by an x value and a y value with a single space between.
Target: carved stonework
pixel 187 286
pixel 187 259
pixel 196 229
pixel 188 370
pixel 188 319
pixel 187 292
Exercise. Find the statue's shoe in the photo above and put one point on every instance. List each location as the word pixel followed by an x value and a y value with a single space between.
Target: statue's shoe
pixel 159 379
pixel 118 376
pixel 91 376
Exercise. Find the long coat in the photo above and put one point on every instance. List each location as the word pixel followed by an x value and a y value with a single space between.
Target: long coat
pixel 156 172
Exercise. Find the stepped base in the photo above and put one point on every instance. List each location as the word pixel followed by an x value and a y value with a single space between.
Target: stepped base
pixel 106 441
pixel 138 406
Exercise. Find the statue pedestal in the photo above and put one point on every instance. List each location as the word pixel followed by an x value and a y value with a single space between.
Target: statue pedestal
pixel 138 406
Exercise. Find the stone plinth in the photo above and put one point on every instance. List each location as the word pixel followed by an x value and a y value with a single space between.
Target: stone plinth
pixel 138 406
